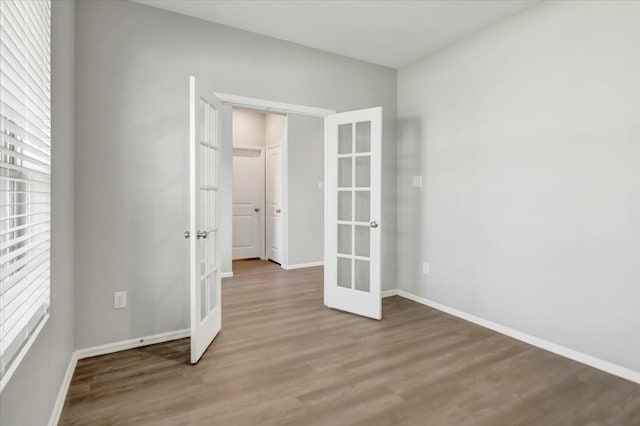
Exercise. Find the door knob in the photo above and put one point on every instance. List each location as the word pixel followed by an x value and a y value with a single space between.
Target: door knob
pixel 373 224
pixel 202 234
pixel 256 210
pixel 278 211
pixel 187 234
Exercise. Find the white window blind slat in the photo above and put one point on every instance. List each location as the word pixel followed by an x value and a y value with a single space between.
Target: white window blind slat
pixel 22 227
pixel 25 176
pixel 31 304
pixel 6 140
pixel 18 216
pixel 16 127
pixel 37 241
pixel 14 313
pixel 17 242
pixel 22 269
pixel 35 171
pixel 31 159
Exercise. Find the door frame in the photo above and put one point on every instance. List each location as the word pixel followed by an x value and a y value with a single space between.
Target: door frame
pixel 267 106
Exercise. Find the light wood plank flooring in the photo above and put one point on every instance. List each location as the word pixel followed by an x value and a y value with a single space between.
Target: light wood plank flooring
pixel 282 358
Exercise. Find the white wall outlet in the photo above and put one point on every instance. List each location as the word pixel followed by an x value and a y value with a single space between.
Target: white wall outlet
pixel 119 300
pixel 320 186
pixel 425 268
pixel 417 181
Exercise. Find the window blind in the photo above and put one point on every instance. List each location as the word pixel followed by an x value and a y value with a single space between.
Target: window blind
pixel 25 174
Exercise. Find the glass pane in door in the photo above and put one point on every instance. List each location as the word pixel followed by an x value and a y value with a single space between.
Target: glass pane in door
pixel 344 205
pixel 345 134
pixel 362 237
pixel 212 158
pixel 363 136
pixel 344 239
pixel 363 172
pixel 361 271
pixel 203 298
pixel 212 289
pixel 363 206
pixel 204 120
pixel 210 242
pixel 344 172
pixel 344 272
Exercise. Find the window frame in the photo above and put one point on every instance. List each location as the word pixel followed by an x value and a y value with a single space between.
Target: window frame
pixel 25 179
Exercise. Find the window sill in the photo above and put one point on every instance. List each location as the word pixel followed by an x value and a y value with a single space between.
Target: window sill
pixel 22 353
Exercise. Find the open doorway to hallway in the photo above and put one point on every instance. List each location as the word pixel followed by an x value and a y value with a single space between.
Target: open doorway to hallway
pixel 278 187
pixel 258 140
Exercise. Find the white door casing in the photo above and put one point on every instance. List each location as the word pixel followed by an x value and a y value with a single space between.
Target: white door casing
pixel 248 202
pixel 274 204
pixel 352 212
pixel 204 206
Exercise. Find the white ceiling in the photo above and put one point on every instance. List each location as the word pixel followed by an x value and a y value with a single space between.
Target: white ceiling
pixel 391 33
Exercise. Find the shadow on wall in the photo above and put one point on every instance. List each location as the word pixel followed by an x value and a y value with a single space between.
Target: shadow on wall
pixel 412 203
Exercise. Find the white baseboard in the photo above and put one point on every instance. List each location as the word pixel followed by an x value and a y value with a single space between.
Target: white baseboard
pixel 303 265
pixel 102 350
pixel 580 357
pixel 131 343
pixel 226 275
pixel 64 389
pixel 389 293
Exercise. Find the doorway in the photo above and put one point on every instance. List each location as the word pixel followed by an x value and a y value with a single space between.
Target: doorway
pixel 258 139
pixel 350 167
pixel 349 160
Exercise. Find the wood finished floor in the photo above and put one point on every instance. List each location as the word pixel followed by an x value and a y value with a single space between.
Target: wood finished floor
pixel 282 358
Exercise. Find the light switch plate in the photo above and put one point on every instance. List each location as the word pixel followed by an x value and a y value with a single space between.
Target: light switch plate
pixel 425 268
pixel 417 181
pixel 320 186
pixel 119 300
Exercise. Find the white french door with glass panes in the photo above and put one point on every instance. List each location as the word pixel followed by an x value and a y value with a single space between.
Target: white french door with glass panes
pixel 204 166
pixel 352 212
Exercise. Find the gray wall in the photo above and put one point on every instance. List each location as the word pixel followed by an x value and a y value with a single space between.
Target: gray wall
pixel 29 396
pixel 131 156
pixel 528 136
pixel 305 164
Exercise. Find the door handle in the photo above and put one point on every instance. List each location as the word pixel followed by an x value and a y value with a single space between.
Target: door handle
pixel 187 234
pixel 202 234
pixel 256 210
pixel 278 211
pixel 373 224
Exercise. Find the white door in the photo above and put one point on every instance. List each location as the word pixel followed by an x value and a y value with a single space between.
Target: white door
pixel 204 166
pixel 248 200
pixel 274 203
pixel 352 213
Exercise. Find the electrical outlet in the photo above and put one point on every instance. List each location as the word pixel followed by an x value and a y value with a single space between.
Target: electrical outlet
pixel 119 300
pixel 417 181
pixel 425 268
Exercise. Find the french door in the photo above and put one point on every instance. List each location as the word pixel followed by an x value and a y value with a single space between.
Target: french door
pixel 352 214
pixel 204 241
